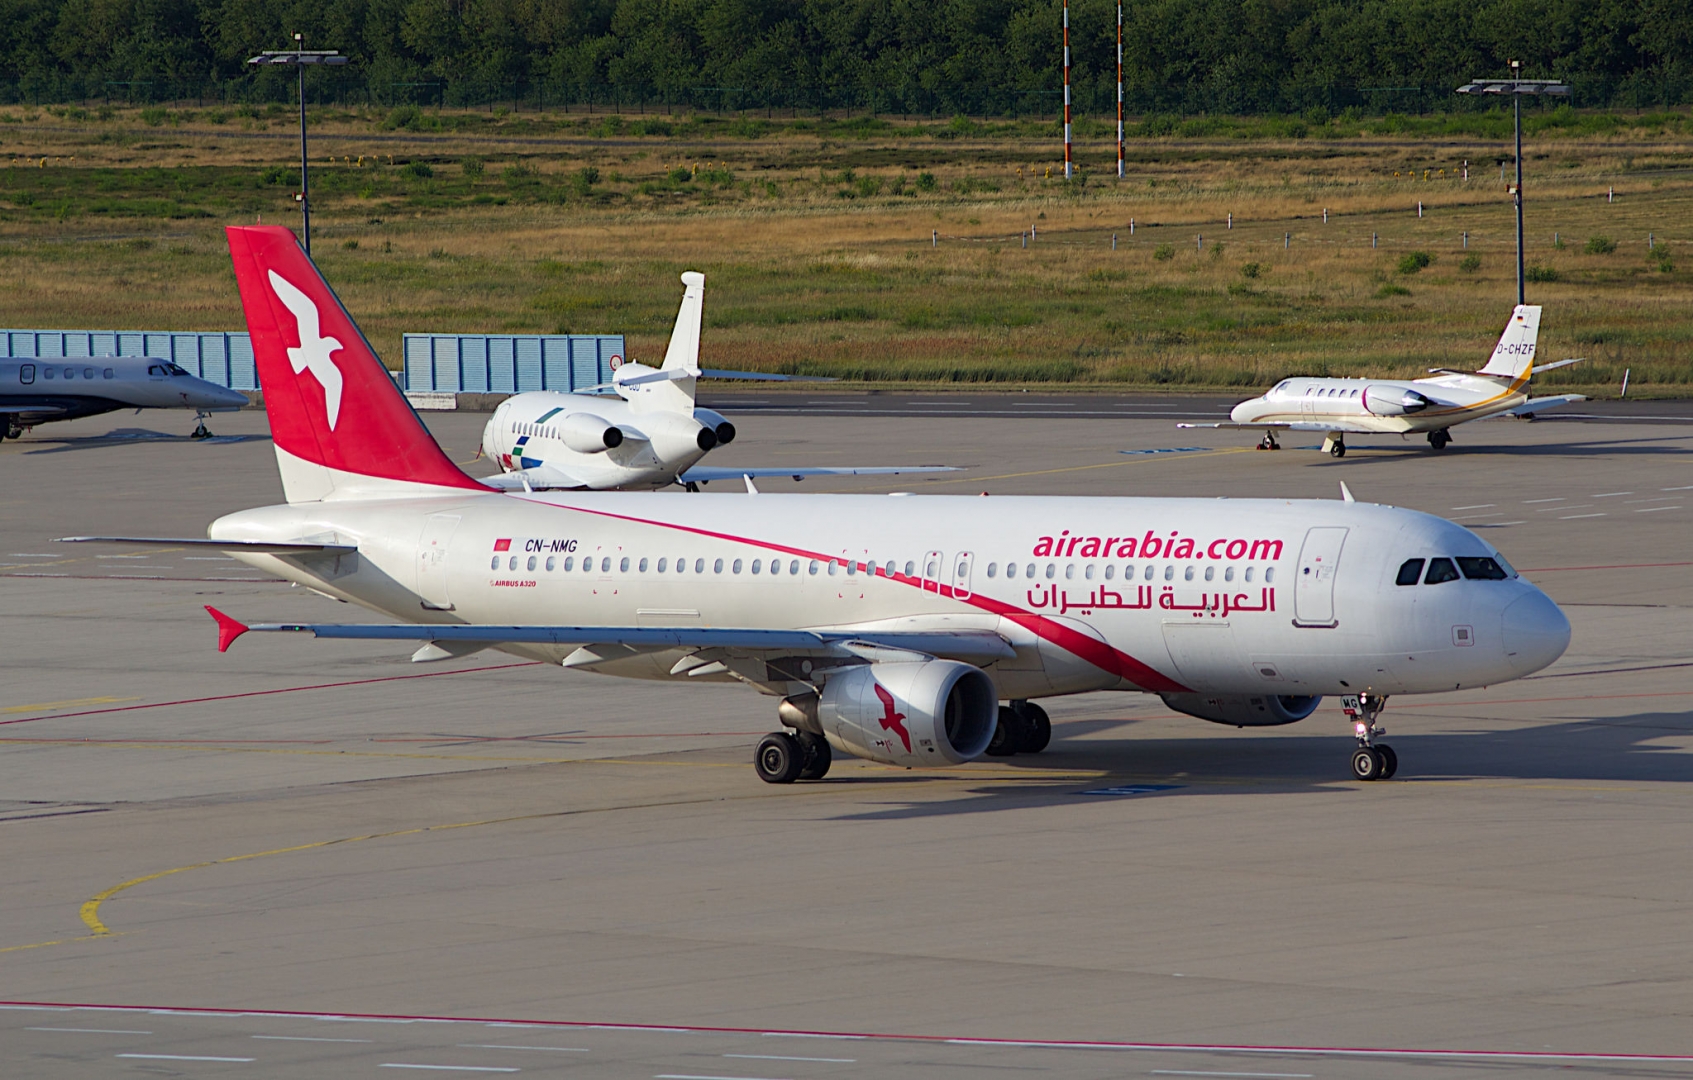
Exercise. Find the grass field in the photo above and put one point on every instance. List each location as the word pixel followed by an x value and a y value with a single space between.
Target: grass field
pixel 886 251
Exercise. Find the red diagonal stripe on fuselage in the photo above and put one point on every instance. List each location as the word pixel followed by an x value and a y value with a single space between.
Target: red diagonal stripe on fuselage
pixel 1098 653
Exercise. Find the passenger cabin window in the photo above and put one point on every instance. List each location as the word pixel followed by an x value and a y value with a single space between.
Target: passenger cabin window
pixel 1409 572
pixel 1482 569
pixel 26 373
pixel 1440 570
pixel 108 374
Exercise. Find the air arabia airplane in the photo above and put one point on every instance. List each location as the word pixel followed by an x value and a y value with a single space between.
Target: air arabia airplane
pixel 887 627
pixel 1342 407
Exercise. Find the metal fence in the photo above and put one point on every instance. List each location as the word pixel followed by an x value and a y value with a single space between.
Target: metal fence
pixel 223 358
pixel 509 364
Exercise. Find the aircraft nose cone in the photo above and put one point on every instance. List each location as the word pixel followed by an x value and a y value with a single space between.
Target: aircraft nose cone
pixel 1535 632
pixel 1244 413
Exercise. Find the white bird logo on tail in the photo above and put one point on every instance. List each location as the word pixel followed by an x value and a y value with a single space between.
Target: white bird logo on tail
pixel 313 353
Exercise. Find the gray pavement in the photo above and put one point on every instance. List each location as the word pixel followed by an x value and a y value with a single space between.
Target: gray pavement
pixel 323 829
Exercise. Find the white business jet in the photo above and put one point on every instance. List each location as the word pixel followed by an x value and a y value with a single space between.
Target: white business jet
pixel 650 435
pixel 1342 407
pixel 40 390
pixel 889 628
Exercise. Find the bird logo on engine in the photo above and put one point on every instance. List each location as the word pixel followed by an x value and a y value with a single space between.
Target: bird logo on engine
pixel 893 721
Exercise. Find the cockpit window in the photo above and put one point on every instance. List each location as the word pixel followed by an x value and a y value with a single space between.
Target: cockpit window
pixel 176 369
pixel 1440 570
pixel 156 369
pixel 1505 566
pixel 1481 569
pixel 1409 571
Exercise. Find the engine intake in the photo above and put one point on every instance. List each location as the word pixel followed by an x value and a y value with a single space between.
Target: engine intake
pixel 911 713
pixel 586 433
pixel 1393 401
pixel 1244 710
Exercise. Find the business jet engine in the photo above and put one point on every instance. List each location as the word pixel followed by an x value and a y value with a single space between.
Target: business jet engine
pixel 586 433
pixel 911 713
pixel 1244 710
pixel 1380 400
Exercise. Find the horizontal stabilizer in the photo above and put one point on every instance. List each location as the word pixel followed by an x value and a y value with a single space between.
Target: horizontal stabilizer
pixel 291 547
pixel 975 645
pixel 1534 405
pixel 539 478
pixel 705 474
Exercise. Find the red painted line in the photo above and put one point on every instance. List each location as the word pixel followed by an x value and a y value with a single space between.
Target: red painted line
pixel 266 693
pixel 1101 654
pixel 1613 566
pixel 1010 1044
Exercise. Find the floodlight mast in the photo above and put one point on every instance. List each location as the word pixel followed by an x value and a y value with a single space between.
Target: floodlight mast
pixel 1517 87
pixel 300 56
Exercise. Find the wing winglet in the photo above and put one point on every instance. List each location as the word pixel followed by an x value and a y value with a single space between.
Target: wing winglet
pixel 228 629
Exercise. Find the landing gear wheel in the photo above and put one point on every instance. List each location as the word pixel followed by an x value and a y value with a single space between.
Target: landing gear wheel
pixel 817 756
pixel 201 431
pixel 1389 760
pixel 1037 726
pixel 1439 439
pixel 14 431
pixel 1268 442
pixel 779 758
pixel 1338 449
pixel 1009 734
pixel 1367 763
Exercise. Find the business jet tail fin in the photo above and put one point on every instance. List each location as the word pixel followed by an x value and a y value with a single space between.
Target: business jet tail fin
pixel 1513 357
pixel 341 427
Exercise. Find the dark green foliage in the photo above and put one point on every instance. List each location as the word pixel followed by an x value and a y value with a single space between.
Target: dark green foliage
pixel 1164 252
pixel 1414 262
pixel 1188 62
pixel 1251 269
pixel 417 170
pixel 1471 263
pixel 1540 273
pixel 1600 245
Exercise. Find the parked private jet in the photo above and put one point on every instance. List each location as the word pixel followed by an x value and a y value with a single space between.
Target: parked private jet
pixel 651 434
pixel 886 627
pixel 40 390
pixel 1342 407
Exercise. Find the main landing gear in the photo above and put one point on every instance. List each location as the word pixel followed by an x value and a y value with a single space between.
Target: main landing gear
pixel 1268 442
pixel 1335 443
pixel 1438 439
pixel 1371 760
pixel 1023 728
pixel 201 431
pixel 785 756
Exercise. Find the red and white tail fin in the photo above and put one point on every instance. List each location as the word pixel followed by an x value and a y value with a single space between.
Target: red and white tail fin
pixel 1513 357
pixel 342 429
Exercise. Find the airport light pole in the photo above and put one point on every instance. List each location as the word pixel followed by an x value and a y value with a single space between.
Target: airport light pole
pixel 300 57
pixel 1517 87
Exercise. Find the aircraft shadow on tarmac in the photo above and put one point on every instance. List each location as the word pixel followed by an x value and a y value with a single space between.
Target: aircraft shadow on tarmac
pixel 1642 747
pixel 1588 448
pixel 128 437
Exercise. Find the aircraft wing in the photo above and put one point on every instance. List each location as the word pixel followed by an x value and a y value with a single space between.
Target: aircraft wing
pixel 291 547
pixel 976 646
pixel 700 474
pixel 539 478
pixel 1295 425
pixel 1534 405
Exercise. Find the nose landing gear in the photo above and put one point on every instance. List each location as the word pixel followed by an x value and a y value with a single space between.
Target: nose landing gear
pixel 200 429
pixel 1371 760
pixel 1268 442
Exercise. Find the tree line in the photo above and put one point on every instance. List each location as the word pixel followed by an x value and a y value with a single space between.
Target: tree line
pixel 936 57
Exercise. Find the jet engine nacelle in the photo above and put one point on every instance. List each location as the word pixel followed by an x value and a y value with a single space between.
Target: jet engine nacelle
pixel 911 713
pixel 677 437
pixel 1244 710
pixel 717 423
pixel 1380 400
pixel 586 433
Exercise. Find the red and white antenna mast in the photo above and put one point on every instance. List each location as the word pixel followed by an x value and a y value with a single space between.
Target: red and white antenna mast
pixel 1066 89
pixel 1119 89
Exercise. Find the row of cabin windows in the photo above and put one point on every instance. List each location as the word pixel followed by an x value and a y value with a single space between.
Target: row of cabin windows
pixel 1149 573
pixel 1333 392
pixel 1442 570
pixel 26 373
pixel 813 566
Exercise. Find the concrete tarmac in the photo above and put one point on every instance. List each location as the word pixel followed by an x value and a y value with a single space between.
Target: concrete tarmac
pixel 355 865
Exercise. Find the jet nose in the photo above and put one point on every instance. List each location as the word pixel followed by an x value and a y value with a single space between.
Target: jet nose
pixel 222 397
pixel 1245 412
pixel 1535 632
